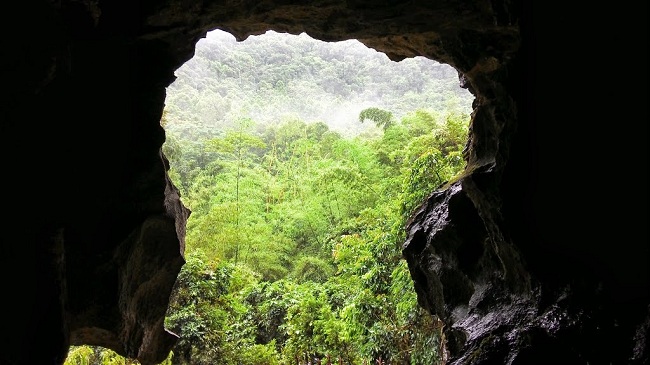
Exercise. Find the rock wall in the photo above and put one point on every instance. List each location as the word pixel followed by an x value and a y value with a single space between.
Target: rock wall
pixel 537 255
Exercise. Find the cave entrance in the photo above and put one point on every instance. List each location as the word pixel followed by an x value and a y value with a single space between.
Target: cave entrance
pixel 301 161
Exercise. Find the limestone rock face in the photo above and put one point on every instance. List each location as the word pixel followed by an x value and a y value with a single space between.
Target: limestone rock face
pixel 537 255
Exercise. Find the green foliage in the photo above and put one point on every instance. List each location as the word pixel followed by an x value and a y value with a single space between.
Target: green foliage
pixel 268 303
pixel 381 118
pixel 259 354
pixel 317 220
pixel 310 268
pixel 80 355
pixel 433 159
pixel 95 355
pixel 293 247
pixel 237 144
pixel 203 309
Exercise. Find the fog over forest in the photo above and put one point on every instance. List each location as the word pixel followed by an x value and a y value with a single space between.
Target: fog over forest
pixel 276 76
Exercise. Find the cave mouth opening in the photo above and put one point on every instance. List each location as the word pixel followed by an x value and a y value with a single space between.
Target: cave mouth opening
pixel 303 160
pixel 300 161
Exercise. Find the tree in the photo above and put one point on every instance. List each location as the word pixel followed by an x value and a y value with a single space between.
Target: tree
pixel 207 311
pixel 237 146
pixel 381 118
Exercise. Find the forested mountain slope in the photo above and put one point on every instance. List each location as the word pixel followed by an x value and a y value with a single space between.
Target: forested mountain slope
pixel 277 76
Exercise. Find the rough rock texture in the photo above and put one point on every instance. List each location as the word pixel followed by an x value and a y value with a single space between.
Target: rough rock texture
pixel 537 255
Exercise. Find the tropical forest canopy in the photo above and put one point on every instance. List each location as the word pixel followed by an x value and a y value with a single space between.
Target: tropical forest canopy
pixel 301 162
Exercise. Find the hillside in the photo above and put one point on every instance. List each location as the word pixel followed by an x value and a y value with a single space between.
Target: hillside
pixel 276 76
